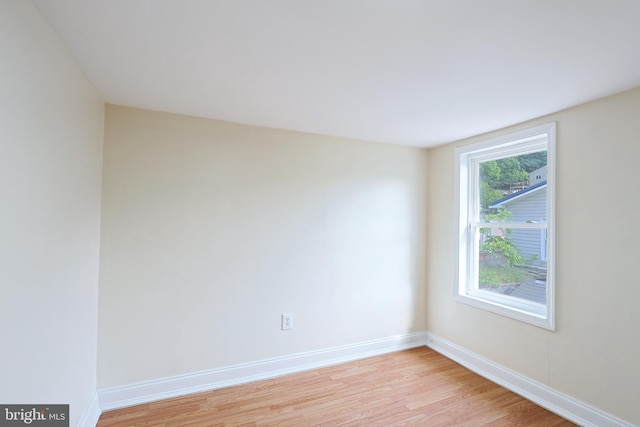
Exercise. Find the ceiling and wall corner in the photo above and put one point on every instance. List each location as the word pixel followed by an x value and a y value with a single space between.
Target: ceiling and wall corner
pixel 418 73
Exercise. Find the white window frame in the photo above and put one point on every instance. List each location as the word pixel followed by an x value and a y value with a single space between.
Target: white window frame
pixel 468 225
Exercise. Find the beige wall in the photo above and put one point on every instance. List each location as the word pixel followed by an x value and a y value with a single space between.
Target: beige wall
pixel 593 356
pixel 51 128
pixel 211 230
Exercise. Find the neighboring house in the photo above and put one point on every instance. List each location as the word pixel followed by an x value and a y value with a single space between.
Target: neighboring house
pixel 528 205
pixel 538 175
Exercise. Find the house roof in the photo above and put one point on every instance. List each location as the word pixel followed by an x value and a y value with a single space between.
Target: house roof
pixel 511 197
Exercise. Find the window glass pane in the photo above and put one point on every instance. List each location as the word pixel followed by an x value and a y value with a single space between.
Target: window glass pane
pixel 514 262
pixel 513 189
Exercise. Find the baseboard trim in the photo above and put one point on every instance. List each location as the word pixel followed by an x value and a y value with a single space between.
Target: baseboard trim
pixel 166 388
pixel 91 414
pixel 563 405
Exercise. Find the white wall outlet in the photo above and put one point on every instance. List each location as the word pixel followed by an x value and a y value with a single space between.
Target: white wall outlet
pixel 287 321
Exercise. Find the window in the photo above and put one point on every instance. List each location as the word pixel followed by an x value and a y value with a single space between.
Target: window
pixel 505 225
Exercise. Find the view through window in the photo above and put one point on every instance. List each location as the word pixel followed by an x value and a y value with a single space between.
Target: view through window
pixel 505 208
pixel 512 256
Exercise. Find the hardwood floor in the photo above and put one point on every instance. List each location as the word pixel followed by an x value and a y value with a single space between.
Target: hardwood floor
pixel 417 387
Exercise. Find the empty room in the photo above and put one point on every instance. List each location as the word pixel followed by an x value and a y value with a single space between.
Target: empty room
pixel 305 212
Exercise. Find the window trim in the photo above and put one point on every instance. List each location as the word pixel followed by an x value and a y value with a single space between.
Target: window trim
pixel 503 146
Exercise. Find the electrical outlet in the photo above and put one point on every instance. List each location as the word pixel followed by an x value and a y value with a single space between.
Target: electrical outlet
pixel 287 321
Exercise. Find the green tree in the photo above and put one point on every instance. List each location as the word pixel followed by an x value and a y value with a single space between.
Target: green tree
pixel 532 161
pixel 488 195
pixel 510 172
pixel 490 172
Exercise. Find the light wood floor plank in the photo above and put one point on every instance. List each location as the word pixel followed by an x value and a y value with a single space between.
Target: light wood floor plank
pixel 417 387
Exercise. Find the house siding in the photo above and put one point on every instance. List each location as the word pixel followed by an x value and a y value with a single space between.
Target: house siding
pixel 532 207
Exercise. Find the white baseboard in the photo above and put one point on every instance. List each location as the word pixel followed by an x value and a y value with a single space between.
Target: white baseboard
pixel 165 388
pixel 91 414
pixel 563 405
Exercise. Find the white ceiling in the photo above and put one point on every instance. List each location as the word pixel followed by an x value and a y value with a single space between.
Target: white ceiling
pixel 410 72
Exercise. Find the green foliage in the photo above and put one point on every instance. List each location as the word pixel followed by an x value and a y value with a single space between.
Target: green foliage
pixel 500 245
pixel 501 216
pixel 490 172
pixel 510 172
pixel 497 276
pixel 488 195
pixel 532 161
pixel 504 247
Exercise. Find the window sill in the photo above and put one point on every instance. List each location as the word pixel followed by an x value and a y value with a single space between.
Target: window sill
pixel 533 314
